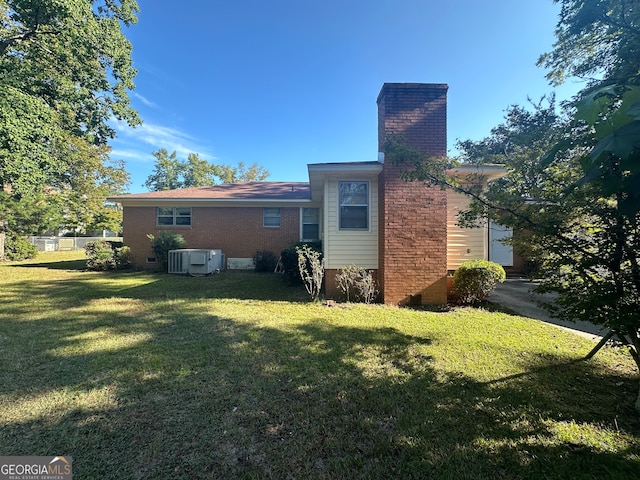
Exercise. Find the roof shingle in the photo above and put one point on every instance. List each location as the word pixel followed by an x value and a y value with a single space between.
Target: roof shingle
pixel 230 191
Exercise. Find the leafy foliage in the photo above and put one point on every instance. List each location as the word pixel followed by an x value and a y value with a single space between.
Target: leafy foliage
pixel 600 278
pixel 475 279
pixel 29 133
pixel 167 172
pixel 595 39
pixel 573 194
pixel 65 72
pixel 357 284
pixel 17 247
pixel 75 201
pixel 99 256
pixel 165 241
pixel 265 261
pixel 198 172
pixel 171 173
pixel 122 256
pixel 241 173
pixel 65 68
pixel 289 261
pixel 103 255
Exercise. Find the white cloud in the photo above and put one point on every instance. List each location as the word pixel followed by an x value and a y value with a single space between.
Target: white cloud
pixel 123 154
pixel 144 100
pixel 133 142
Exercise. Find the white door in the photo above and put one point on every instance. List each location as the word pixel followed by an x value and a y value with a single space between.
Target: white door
pixel 498 251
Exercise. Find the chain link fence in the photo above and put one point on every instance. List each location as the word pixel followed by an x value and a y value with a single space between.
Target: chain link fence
pixel 62 244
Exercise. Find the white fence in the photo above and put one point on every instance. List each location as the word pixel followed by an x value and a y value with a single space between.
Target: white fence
pixel 61 244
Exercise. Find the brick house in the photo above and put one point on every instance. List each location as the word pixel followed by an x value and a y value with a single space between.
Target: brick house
pixel 363 212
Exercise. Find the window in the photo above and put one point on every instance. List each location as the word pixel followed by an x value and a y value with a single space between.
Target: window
pixel 310 224
pixel 270 217
pixel 354 205
pixel 174 216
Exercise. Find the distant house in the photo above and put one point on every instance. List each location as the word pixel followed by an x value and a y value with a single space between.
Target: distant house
pixel 363 212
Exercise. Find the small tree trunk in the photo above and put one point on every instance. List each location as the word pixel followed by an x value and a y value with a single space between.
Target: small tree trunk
pixel 638 402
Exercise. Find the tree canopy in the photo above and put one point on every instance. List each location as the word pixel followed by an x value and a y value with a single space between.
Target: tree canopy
pixel 170 172
pixel 596 40
pixel 65 72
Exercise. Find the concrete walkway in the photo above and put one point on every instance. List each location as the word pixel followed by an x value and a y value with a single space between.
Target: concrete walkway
pixel 515 294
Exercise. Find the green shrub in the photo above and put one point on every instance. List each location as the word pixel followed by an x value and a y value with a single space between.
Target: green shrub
pixel 357 284
pixel 475 279
pixel 103 255
pixel 289 261
pixel 19 248
pixel 265 261
pixel 122 257
pixel 99 255
pixel 164 242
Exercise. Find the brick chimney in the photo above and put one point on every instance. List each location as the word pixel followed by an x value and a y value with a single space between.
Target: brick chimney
pixel 412 216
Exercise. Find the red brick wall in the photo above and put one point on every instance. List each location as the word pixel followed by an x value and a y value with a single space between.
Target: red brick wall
pixel 237 231
pixel 413 217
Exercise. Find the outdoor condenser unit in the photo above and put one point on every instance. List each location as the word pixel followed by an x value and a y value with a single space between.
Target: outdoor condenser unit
pixel 192 261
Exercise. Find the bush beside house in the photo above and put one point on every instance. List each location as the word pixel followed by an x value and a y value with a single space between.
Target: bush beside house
pixel 102 255
pixel 289 261
pixel 475 279
pixel 265 261
pixel 163 243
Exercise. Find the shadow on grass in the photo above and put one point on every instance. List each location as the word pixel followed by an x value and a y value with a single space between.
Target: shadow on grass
pixel 136 376
pixel 80 265
pixel 182 393
pixel 84 287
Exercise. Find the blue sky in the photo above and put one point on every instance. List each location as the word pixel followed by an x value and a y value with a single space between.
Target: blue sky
pixel 284 83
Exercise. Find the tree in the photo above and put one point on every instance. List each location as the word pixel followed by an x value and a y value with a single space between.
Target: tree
pixel 240 173
pixel 167 172
pixel 198 172
pixel 600 280
pixel 82 191
pixel 65 72
pixel 596 40
pixel 575 182
pixel 170 173
pixel 75 200
pixel 65 68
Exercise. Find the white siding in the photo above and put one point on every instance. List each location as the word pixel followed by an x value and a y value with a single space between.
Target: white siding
pixel 462 243
pixel 347 247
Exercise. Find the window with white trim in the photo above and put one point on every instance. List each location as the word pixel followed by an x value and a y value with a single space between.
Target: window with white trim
pixel 173 216
pixel 270 217
pixel 353 198
pixel 310 224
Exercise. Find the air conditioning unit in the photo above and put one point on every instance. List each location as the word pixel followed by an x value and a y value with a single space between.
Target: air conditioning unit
pixel 192 261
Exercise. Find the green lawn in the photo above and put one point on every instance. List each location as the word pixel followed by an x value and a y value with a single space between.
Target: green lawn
pixel 139 375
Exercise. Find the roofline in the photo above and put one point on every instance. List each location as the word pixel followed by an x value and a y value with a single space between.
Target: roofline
pixel 345 167
pixel 133 201
pixel 410 86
